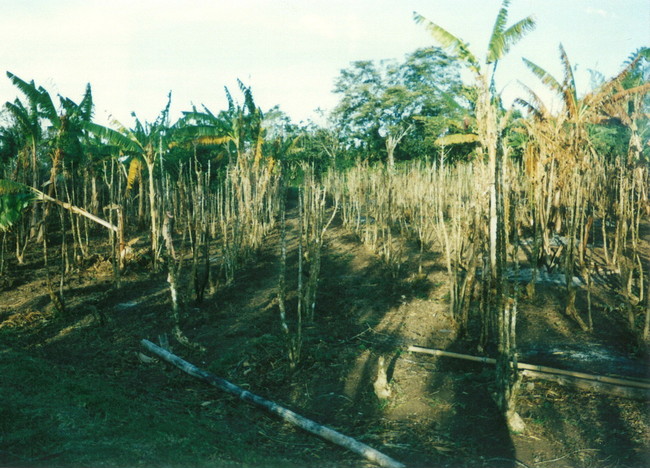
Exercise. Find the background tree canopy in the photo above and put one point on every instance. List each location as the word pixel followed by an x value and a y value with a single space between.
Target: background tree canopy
pixel 388 102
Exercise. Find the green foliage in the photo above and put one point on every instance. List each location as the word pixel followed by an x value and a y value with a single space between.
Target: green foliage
pixel 487 101
pixel 609 140
pixel 126 142
pixel 236 131
pixel 502 39
pixel 63 139
pixel 14 198
pixel 38 97
pixel 385 103
pixel 448 41
pixel 11 142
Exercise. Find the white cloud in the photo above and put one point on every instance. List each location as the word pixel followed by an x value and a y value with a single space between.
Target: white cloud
pixel 599 12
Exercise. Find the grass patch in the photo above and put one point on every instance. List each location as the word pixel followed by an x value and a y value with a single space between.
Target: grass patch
pixel 53 415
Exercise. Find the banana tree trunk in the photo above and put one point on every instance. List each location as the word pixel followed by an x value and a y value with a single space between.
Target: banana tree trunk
pixel 152 208
pixel 33 225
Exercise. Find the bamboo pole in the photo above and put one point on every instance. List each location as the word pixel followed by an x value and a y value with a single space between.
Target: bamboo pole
pixel 538 368
pixel 629 392
pixel 286 414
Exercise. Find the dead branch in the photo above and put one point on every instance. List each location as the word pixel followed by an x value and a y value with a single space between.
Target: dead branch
pixel 286 414
pixel 72 208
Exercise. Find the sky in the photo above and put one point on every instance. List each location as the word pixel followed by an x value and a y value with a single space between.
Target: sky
pixel 134 52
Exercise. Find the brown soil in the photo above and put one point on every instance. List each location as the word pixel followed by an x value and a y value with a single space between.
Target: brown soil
pixel 441 413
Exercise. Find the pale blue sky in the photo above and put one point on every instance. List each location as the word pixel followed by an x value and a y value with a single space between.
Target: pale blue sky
pixel 134 51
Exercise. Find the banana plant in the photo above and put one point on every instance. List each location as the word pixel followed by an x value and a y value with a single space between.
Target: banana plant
pixel 607 102
pixel 206 129
pixel 239 127
pixel 28 126
pixel 64 133
pixel 564 144
pixel 143 143
pixel 490 128
pixel 575 126
pixel 55 132
pixel 41 101
pixel 487 106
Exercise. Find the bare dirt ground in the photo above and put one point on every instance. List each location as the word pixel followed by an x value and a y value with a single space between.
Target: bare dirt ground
pixel 75 393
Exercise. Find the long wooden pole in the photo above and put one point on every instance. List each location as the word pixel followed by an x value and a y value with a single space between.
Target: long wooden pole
pixel 286 414
pixel 72 208
pixel 629 392
pixel 538 368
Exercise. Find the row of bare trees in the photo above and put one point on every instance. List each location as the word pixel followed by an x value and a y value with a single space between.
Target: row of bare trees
pixel 565 201
pixel 205 191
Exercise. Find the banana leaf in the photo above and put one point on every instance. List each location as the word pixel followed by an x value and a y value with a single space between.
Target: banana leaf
pixel 14 199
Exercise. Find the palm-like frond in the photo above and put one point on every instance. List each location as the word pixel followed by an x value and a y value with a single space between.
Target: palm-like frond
pixel 514 33
pixel 231 101
pixel 631 63
pixel 47 108
pixel 496 45
pixel 205 128
pixel 503 39
pixel 641 52
pixel 449 42
pixel 138 135
pixel 195 117
pixel 86 106
pixel 27 88
pixel 209 112
pixel 199 131
pixel 293 147
pixel 569 84
pixel 249 103
pixel 641 89
pixel 22 117
pixel 39 96
pixel 544 76
pixel 69 106
pixel 162 121
pixel 530 108
pixel 615 106
pixel 534 104
pixel 114 137
pixel 138 129
pixel 11 187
